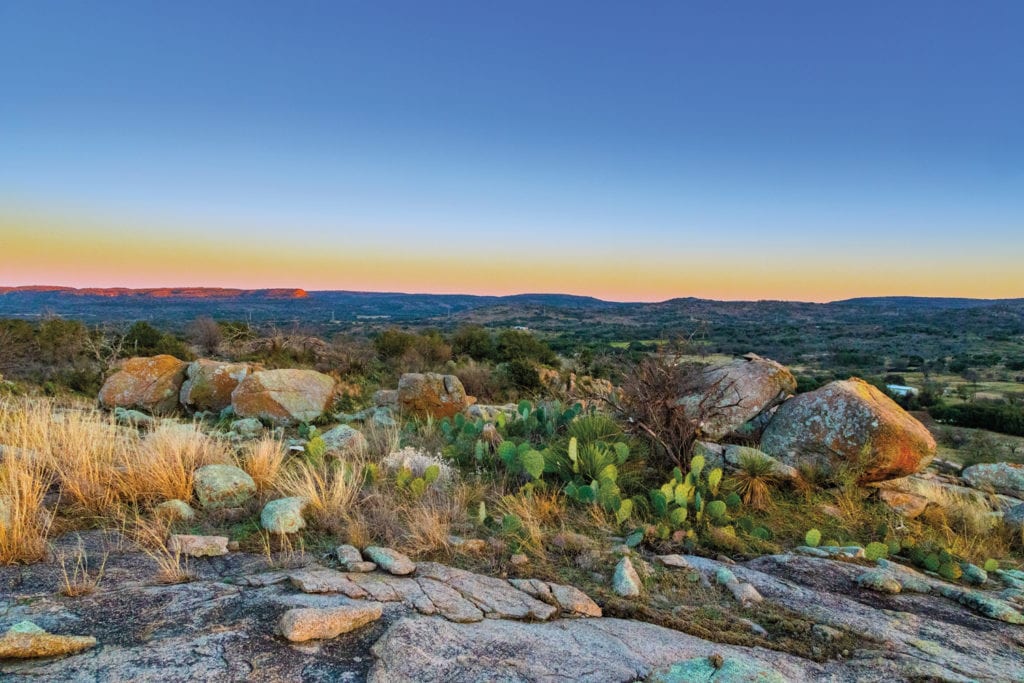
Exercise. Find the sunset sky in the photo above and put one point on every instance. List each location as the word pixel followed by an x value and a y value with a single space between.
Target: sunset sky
pixel 632 151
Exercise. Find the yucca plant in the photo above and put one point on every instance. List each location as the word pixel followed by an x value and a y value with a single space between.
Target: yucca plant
pixel 754 480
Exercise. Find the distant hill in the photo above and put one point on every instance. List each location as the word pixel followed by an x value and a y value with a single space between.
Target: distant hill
pixel 176 305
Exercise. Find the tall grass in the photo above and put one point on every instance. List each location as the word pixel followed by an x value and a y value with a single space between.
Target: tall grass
pixel 23 522
pixel 165 464
pixel 262 460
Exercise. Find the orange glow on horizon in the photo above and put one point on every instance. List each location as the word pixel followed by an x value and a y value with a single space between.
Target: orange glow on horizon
pixel 79 254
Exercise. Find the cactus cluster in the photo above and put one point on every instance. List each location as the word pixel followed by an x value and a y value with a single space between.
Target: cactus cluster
pixel 693 501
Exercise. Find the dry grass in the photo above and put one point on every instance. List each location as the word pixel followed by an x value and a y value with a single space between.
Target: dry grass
pixel 164 467
pixel 80 579
pixel 151 537
pixel 82 449
pixel 329 490
pixel 23 522
pixel 262 460
pixel 536 513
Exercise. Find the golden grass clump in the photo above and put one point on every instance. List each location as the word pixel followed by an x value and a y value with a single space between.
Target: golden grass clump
pixel 164 466
pixel 262 460
pixel 83 449
pixel 23 522
pixel 330 490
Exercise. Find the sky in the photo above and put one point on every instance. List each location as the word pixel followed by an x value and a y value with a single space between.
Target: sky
pixel 799 150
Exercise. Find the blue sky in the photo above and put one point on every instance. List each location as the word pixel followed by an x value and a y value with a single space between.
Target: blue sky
pixel 652 135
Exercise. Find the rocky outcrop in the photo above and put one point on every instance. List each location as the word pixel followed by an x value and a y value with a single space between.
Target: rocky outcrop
pixel 208 384
pixel 283 397
pixel 432 394
pixel 731 394
pixel 849 426
pixel 998 477
pixel 149 384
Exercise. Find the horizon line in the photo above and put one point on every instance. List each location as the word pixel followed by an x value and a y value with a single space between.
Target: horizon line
pixel 57 288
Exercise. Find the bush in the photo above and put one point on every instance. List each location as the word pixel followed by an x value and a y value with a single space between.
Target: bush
pixel 523 346
pixel 995 416
pixel 520 375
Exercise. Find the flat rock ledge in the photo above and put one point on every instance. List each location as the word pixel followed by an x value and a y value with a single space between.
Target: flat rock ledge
pixel 244 618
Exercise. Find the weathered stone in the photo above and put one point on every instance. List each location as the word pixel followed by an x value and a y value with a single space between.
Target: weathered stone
pixel 849 425
pixel 496 598
pixel 248 427
pixel 348 554
pixel 449 602
pixel 223 486
pixel 209 384
pixel 321 580
pixel 149 384
pixel 713 453
pixel 908 505
pixel 133 418
pixel 1014 518
pixel 625 580
pixel 432 394
pixel 736 392
pixel 283 396
pixel 385 397
pixel 284 515
pixel 175 510
pixel 343 441
pixel 879 580
pixel 310 623
pixel 674 561
pixel 198 546
pixel 716 670
pixel 574 601
pixel 391 561
pixel 25 640
pixel 1001 477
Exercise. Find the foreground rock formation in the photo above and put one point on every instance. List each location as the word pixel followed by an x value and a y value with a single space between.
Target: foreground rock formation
pixel 849 425
pixel 209 384
pixel 149 384
pixel 432 394
pixel 283 396
pixel 232 623
pixel 737 392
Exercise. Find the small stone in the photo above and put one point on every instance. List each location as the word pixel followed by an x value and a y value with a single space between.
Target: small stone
pixel 468 545
pixel 248 428
pixel 223 486
pixel 310 623
pixel 725 576
pixel 233 546
pixel 879 580
pixel 391 561
pixel 343 441
pixel 348 554
pixel 518 560
pixel 973 574
pixel 361 567
pixel 744 593
pixel 674 561
pixel 826 633
pixel 26 640
pixel 284 515
pixel 574 601
pixel 198 546
pixel 625 581
pixel 175 510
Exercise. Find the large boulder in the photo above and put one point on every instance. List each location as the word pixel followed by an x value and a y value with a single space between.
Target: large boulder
pixel 849 425
pixel 432 394
pixel 151 384
pixel 208 384
pixel 732 394
pixel 999 477
pixel 283 396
